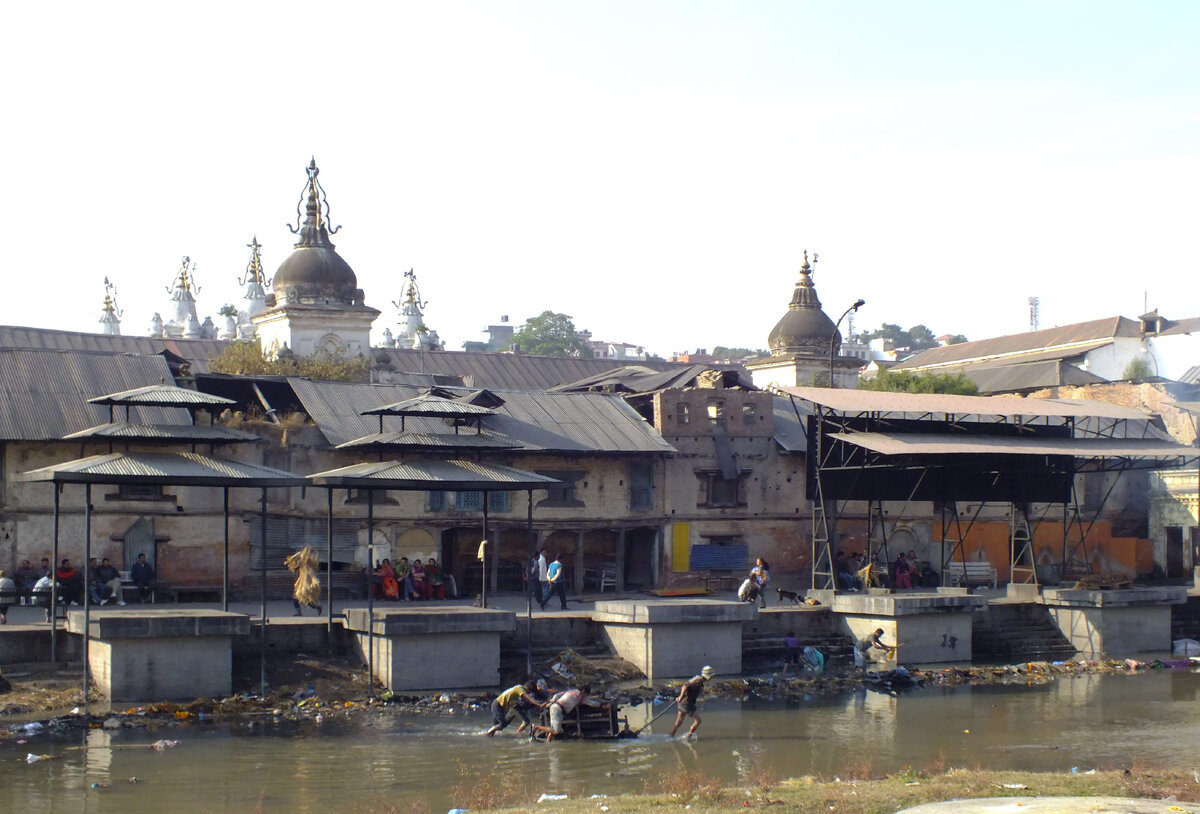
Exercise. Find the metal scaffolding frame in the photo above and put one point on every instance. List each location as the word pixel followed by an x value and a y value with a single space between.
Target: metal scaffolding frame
pixel 905 448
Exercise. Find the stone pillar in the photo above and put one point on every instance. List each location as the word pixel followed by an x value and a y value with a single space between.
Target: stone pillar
pixel 619 559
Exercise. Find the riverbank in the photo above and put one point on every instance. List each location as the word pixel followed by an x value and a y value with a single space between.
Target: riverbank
pixel 858 792
pixel 303 687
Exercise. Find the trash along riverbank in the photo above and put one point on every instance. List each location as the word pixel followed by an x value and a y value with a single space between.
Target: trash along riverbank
pixel 307 687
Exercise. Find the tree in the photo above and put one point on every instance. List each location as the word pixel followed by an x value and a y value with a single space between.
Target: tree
pixel 906 381
pixel 1138 368
pixel 918 337
pixel 247 359
pixel 551 334
pixel 722 352
pixel 957 339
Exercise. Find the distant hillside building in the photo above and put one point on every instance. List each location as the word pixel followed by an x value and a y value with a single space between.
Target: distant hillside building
pixel 1085 353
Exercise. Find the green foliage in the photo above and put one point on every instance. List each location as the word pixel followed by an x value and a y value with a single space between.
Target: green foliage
pixel 227 310
pixel 918 337
pixel 906 381
pixel 247 359
pixel 1138 368
pixel 957 339
pixel 550 334
pixel 722 352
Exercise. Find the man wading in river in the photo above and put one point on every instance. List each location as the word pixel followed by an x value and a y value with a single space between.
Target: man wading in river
pixel 689 694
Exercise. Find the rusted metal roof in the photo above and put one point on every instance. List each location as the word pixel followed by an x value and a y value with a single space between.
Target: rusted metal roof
pixel 431 407
pixel 871 401
pixel 426 440
pixel 1078 334
pixel 506 371
pixel 559 422
pixel 44 393
pixel 432 475
pixel 172 433
pixel 948 444
pixel 162 468
pixel 162 395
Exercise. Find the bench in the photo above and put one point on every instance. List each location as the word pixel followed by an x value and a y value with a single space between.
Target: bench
pixel 194 593
pixel 972 572
pixel 20 595
pixel 723 566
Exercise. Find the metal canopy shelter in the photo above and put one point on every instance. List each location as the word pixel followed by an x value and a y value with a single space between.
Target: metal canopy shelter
pixel 877 446
pixel 157 468
pixel 427 476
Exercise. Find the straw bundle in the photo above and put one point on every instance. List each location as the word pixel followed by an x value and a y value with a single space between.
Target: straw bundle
pixel 307 589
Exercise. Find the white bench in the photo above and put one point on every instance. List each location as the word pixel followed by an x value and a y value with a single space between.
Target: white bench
pixel 973 572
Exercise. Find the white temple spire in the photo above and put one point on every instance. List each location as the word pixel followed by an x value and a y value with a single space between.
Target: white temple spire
pixel 110 316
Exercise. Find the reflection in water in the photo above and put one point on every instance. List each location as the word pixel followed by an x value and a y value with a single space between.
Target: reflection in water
pixel 1091 721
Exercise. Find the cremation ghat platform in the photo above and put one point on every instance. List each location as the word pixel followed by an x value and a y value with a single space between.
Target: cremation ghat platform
pixel 442 648
pixel 1101 623
pixel 152 655
pixel 929 628
pixel 673 638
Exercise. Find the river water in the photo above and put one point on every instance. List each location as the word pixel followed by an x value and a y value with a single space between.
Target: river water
pixel 1093 721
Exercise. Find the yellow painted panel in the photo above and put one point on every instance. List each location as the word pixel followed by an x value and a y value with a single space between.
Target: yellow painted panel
pixel 681 552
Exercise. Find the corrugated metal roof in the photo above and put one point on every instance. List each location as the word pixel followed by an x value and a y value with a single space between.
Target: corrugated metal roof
pixel 789 432
pixel 426 440
pixel 172 433
pixel 164 468
pixel 1067 335
pixel 162 395
pixel 506 371
pixel 559 422
pixel 197 352
pixel 44 393
pixel 438 475
pixel 946 444
pixel 430 406
pixel 642 379
pixel 1032 376
pixel 871 401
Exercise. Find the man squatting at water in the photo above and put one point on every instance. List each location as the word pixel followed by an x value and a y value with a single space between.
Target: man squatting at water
pixel 519 698
pixel 689 694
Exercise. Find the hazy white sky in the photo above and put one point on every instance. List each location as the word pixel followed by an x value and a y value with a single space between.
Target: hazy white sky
pixel 653 169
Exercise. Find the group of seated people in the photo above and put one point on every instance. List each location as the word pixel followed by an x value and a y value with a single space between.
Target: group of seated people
pixel 405 582
pixel 100 582
pixel 855 571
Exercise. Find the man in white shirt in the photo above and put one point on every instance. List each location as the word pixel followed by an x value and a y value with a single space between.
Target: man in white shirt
pixel 543 578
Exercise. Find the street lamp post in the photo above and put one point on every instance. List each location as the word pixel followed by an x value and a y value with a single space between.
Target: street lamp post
pixel 832 339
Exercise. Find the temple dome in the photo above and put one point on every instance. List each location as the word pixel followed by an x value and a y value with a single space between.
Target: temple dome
pixel 314 273
pixel 805 328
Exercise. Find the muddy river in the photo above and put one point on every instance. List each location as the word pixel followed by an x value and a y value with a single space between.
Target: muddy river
pixel 1094 721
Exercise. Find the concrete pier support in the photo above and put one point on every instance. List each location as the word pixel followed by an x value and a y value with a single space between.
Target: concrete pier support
pixel 156 655
pixel 929 628
pixel 1118 622
pixel 442 648
pixel 673 639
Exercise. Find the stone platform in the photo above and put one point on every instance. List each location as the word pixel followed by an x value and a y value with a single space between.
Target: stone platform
pixel 929 628
pixel 433 648
pixel 674 639
pixel 1116 622
pixel 155 655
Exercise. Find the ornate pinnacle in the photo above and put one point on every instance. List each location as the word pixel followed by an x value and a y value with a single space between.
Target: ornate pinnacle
pixel 313 223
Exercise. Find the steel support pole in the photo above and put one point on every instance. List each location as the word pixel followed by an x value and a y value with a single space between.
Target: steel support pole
pixel 87 594
pixel 532 579
pixel 53 609
pixel 262 591
pixel 370 594
pixel 329 575
pixel 225 558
